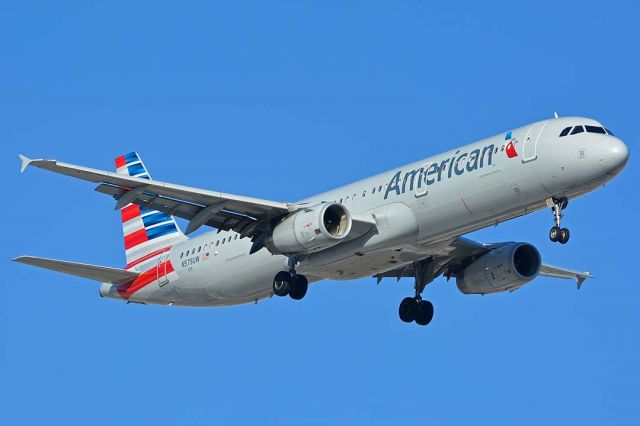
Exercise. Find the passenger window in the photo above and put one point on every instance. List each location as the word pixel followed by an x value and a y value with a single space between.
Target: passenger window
pixel 199 248
pixel 235 237
pixel 193 251
pixel 217 243
pixel 565 131
pixel 224 239
pixel 577 129
pixel 595 129
pixel 340 201
pixel 181 255
pixel 364 194
pixel 373 191
pixel 354 197
pixel 380 188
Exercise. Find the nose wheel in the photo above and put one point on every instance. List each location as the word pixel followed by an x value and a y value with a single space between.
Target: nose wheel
pixel 557 233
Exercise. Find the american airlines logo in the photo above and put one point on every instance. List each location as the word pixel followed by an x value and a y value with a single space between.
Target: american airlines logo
pixel 420 179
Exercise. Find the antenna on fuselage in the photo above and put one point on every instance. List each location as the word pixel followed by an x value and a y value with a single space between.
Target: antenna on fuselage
pixel 555 114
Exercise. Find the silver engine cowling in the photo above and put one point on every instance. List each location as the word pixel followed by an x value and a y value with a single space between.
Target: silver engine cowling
pixel 503 269
pixel 311 229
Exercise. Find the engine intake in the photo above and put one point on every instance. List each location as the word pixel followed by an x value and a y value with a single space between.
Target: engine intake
pixel 311 229
pixel 503 269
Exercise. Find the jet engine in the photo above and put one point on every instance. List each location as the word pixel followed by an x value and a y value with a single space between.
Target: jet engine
pixel 502 269
pixel 311 229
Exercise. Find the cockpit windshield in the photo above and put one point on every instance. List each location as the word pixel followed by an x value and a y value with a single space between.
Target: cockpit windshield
pixel 574 130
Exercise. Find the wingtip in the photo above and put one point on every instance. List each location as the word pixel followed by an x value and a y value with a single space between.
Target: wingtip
pixel 25 162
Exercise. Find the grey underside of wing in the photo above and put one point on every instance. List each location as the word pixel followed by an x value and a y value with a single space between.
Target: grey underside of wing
pixel 463 251
pixel 223 211
pixel 449 259
pixel 92 272
pixel 547 270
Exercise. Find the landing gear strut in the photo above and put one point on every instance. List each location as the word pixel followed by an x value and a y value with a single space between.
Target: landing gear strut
pixel 290 283
pixel 558 234
pixel 414 308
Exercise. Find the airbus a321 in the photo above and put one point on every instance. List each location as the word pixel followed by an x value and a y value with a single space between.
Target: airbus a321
pixel 406 222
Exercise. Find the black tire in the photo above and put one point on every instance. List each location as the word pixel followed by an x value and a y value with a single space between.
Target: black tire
pixel 408 309
pixel 554 234
pixel 282 283
pixel 299 286
pixel 425 312
pixel 564 204
pixel 564 236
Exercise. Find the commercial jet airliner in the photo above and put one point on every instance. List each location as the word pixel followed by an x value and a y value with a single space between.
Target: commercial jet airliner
pixel 407 222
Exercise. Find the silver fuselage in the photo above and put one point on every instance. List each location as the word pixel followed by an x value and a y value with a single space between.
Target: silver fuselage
pixel 419 209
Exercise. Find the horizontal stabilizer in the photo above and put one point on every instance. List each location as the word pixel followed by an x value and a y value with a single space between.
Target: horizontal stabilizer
pixel 103 274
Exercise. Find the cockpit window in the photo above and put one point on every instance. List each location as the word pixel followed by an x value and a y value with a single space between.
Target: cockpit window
pixel 609 132
pixel 595 129
pixel 577 129
pixel 565 131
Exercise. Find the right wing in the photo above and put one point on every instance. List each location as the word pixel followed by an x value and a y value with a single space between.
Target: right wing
pixel 103 274
pixel 250 217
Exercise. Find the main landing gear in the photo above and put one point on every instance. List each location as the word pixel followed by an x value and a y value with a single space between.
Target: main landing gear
pixel 290 283
pixel 414 308
pixel 558 234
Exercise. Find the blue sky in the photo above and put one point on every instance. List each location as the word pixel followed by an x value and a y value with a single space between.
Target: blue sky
pixel 281 100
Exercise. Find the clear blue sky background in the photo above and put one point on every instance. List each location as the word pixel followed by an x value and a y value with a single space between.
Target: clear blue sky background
pixel 281 101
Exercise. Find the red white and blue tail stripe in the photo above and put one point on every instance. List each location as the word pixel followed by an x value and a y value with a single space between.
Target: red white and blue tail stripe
pixel 147 233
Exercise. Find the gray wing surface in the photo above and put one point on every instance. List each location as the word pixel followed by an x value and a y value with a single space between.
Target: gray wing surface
pixel 462 252
pixel 103 274
pixel 245 215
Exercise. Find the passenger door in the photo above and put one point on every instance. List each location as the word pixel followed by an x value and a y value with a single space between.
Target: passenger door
pixel 161 269
pixel 529 148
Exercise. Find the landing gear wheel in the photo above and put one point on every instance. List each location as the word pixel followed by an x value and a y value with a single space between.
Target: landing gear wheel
pixel 299 287
pixel 408 309
pixel 558 234
pixel 282 283
pixel 424 314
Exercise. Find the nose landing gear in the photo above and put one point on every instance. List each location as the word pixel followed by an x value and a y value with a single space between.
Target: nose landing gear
pixel 558 234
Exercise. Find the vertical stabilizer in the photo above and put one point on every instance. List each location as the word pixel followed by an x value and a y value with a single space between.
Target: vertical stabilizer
pixel 147 233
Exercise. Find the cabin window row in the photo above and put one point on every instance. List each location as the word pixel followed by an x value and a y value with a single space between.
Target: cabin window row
pixel 211 245
pixel 364 194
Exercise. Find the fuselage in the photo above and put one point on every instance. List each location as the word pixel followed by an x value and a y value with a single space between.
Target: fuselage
pixel 419 208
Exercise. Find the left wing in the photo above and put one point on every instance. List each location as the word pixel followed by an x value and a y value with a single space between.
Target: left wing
pixel 460 254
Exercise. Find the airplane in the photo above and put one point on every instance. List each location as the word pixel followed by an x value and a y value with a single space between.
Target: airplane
pixel 406 222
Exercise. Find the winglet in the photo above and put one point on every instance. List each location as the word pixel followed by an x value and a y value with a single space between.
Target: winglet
pixel 25 162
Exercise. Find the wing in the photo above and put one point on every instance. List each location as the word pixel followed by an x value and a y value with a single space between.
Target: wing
pixel 461 253
pixel 557 272
pixel 247 216
pixel 103 274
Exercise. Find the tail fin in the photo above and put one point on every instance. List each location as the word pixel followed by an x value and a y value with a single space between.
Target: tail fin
pixel 147 233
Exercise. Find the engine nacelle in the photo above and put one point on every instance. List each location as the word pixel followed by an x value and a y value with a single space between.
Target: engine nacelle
pixel 503 269
pixel 311 229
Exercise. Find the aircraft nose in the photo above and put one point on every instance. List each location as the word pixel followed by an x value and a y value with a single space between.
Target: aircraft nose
pixel 614 154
